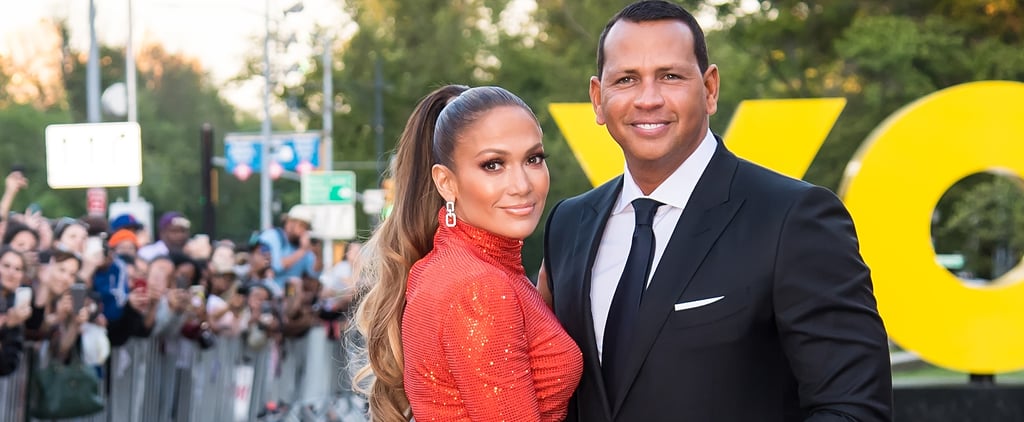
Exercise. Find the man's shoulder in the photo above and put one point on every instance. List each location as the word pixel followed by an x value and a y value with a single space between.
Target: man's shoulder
pixel 769 182
pixel 589 199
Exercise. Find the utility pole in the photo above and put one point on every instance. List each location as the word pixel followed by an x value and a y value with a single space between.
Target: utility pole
pixel 266 190
pixel 129 60
pixel 327 159
pixel 208 179
pixel 378 114
pixel 92 70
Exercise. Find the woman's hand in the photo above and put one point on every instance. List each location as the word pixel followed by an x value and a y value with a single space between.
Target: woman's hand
pixel 18 315
pixel 139 300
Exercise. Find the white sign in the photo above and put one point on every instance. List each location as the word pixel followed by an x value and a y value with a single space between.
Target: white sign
pixel 333 221
pixel 373 201
pixel 89 155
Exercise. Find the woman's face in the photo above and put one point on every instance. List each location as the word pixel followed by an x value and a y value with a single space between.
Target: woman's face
pixel 73 238
pixel 12 271
pixel 186 271
pixel 62 275
pixel 500 179
pixel 24 241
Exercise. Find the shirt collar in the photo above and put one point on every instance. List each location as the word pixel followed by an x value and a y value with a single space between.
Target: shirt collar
pixel 676 189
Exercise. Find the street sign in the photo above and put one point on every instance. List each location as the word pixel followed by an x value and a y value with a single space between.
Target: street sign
pixel 329 188
pixel 292 151
pixel 89 155
pixel 333 221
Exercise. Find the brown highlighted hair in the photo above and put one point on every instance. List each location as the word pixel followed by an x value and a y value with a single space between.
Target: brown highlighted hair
pixel 407 235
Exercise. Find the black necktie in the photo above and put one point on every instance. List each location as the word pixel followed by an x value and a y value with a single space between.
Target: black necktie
pixel 626 302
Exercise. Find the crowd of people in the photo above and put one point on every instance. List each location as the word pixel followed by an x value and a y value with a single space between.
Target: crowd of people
pixel 75 288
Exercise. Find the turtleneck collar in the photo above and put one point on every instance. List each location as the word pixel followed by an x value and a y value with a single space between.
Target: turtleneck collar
pixel 504 251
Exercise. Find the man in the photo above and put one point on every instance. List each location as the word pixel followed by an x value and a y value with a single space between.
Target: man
pixel 750 300
pixel 291 249
pixel 174 233
pixel 129 222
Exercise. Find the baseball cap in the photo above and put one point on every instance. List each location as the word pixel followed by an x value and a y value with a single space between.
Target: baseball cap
pixel 124 221
pixel 121 236
pixel 173 218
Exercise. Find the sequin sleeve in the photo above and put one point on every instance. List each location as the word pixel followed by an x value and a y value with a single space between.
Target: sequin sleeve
pixel 485 343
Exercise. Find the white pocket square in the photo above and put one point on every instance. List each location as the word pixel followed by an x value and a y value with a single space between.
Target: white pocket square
pixel 698 303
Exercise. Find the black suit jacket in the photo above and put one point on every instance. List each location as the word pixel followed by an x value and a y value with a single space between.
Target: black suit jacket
pixel 797 335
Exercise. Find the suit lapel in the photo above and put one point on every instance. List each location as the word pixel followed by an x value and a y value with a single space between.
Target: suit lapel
pixel 591 228
pixel 707 213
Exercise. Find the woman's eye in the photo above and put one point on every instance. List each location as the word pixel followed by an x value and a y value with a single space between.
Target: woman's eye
pixel 493 165
pixel 537 159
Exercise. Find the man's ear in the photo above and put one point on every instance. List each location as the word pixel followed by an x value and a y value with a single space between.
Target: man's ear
pixel 444 181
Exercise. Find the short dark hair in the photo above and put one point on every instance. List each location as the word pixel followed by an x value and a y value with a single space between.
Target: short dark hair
pixel 656 10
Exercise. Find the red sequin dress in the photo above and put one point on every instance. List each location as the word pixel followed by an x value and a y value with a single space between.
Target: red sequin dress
pixel 479 343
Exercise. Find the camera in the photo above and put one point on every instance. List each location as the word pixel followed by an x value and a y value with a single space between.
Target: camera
pixel 206 337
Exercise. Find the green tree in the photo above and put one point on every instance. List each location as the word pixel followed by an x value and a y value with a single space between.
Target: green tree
pixel 175 97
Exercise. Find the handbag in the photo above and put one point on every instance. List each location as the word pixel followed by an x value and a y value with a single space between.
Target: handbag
pixel 64 391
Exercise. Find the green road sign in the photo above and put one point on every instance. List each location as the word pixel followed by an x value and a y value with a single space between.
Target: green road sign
pixel 329 188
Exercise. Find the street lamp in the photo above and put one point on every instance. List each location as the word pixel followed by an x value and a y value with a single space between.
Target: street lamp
pixel 266 191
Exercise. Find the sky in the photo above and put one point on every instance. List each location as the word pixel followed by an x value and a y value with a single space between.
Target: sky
pixel 219 33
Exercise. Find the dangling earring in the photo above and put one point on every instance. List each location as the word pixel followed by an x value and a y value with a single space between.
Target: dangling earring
pixel 449 216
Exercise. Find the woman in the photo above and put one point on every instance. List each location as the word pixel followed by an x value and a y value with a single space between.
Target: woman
pixel 24 240
pixel 53 315
pixel 12 276
pixel 462 334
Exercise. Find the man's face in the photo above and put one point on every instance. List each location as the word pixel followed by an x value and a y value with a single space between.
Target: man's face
pixel 652 95
pixel 175 236
pixel 259 259
pixel 294 230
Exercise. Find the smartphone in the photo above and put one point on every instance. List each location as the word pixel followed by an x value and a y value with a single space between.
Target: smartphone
pixel 20 168
pixel 34 208
pixel 182 282
pixel 197 291
pixel 23 296
pixel 77 296
pixel 198 295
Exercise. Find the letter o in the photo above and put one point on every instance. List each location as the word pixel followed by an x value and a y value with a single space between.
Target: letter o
pixel 891 188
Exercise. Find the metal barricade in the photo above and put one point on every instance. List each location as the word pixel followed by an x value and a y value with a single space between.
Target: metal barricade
pixel 14 394
pixel 171 380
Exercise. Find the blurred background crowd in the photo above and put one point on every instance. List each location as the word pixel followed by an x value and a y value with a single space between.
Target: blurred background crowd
pixel 74 288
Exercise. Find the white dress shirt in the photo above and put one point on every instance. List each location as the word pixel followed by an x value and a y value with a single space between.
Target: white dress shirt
pixel 674 193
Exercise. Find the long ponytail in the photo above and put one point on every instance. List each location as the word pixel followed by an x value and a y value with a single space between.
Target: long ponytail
pixel 401 240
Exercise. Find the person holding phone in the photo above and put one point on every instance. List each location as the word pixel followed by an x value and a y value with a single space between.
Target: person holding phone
pixel 15 308
pixel 292 252
pixel 58 311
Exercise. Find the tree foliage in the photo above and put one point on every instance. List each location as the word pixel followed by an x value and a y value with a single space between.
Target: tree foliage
pixel 175 97
pixel 879 55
